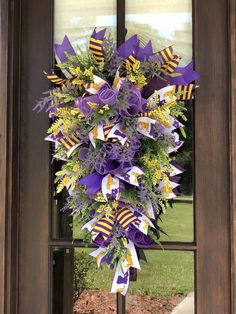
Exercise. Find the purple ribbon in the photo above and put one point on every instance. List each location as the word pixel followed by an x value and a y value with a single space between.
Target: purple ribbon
pixel 65 46
pixel 107 95
pixel 155 83
pixel 180 168
pixel 93 182
pixel 144 53
pixel 187 76
pixel 82 104
pixel 129 47
pixel 123 279
pixel 139 239
pixel 98 35
pixel 132 47
pixel 99 241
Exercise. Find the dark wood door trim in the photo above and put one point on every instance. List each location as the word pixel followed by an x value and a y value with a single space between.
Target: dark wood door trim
pixel 3 145
pixel 232 132
pixel 213 116
pixel 36 39
pixel 9 155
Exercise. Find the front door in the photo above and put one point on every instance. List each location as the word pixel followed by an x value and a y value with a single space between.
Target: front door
pixel 39 237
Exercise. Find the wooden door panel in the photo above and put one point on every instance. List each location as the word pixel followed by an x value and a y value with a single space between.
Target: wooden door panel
pixel 212 108
pixel 34 159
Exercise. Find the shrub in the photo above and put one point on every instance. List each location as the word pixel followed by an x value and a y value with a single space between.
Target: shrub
pixel 83 264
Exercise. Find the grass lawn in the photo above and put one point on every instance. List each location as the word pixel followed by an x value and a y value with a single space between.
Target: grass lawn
pixel 167 272
pixel 177 222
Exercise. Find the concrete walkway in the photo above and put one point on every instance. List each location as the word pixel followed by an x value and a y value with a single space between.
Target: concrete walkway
pixel 186 306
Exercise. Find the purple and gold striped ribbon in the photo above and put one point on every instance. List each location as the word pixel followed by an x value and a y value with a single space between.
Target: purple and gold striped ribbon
pixel 171 65
pixel 55 79
pixel 104 226
pixel 167 54
pixel 106 129
pixel 69 141
pixel 125 217
pixel 130 60
pixel 143 114
pixel 184 92
pixel 96 48
pixel 169 60
pixel 127 143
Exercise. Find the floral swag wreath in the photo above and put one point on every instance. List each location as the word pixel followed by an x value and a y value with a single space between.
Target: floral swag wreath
pixel 114 125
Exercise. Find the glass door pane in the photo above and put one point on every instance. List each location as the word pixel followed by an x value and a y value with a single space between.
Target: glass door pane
pixel 164 281
pixel 77 19
pixel 78 286
pixel 165 23
pixel 168 23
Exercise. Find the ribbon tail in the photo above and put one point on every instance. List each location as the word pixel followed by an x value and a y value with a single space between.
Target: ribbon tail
pixel 98 254
pixel 121 281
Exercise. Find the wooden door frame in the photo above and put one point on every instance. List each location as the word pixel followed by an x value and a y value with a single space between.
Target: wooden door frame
pixel 26 34
pixel 215 158
pixel 232 143
pixel 24 168
pixel 9 154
